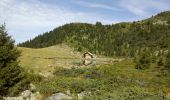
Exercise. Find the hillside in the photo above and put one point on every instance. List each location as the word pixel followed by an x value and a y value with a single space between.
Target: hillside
pixel 122 39
pixel 53 70
pixel 161 18
pixel 118 80
pixel 44 60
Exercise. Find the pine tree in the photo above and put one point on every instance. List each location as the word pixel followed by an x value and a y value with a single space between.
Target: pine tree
pixel 10 72
pixel 167 62
pixel 144 60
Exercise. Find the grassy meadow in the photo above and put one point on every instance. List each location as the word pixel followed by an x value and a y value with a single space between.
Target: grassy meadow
pixel 44 60
pixel 102 81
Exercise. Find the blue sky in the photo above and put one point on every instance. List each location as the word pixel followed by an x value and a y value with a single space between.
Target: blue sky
pixel 26 19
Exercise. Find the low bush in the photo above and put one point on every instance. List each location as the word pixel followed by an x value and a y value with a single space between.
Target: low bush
pixel 126 93
pixel 34 78
pixel 106 82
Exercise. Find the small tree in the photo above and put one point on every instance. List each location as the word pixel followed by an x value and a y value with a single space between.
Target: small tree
pixel 143 61
pixel 10 72
pixel 167 62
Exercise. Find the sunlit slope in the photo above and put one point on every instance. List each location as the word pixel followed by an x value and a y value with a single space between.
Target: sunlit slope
pixel 45 59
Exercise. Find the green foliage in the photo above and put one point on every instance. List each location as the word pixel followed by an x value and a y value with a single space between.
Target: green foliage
pixel 34 78
pixel 10 72
pixel 126 93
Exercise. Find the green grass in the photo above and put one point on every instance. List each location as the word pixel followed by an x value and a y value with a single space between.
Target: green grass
pixel 44 60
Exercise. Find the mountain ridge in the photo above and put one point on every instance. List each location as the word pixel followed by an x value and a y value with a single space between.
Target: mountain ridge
pixel 121 39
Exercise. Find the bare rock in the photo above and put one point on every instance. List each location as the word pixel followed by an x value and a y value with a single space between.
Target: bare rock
pixel 26 94
pixel 82 95
pixel 36 96
pixel 68 92
pixel 13 98
pixel 59 96
pixel 32 88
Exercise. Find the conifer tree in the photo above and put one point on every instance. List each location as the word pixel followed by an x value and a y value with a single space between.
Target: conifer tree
pixel 144 60
pixel 10 72
pixel 167 62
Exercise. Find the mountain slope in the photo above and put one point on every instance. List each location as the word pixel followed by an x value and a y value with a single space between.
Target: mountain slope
pixel 44 60
pixel 122 39
pixel 163 16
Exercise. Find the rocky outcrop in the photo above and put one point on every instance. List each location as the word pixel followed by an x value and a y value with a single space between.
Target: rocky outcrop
pixel 59 96
pixel 83 94
pixel 13 98
pixel 26 95
pixel 30 94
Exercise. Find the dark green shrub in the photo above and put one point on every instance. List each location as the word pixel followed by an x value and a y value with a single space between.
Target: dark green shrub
pixel 36 78
pixel 144 60
pixel 125 93
pixel 21 86
pixel 167 62
pixel 160 62
pixel 73 72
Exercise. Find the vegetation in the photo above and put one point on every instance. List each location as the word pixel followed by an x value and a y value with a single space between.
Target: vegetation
pixel 113 81
pixel 11 76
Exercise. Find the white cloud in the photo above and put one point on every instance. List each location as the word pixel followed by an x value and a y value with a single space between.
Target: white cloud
pixel 142 7
pixel 97 5
pixel 26 19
